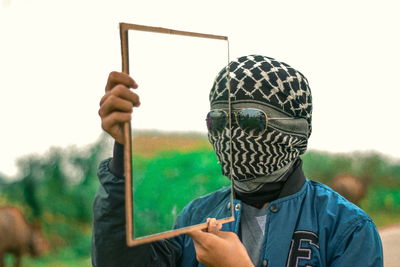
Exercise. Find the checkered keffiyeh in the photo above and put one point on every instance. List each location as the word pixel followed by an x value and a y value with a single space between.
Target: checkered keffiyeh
pixel 266 80
pixel 262 80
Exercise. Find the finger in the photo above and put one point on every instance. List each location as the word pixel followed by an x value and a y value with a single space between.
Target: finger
pixel 211 223
pixel 214 226
pixel 112 124
pixel 115 78
pixel 115 119
pixel 114 103
pixel 123 92
pixel 207 221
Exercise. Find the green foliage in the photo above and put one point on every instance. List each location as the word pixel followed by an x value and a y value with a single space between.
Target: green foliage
pixel 383 199
pixel 62 182
pixel 168 182
pixel 57 189
pixel 375 169
pixel 381 174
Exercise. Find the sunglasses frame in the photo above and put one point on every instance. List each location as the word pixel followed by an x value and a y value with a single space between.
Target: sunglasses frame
pixel 234 112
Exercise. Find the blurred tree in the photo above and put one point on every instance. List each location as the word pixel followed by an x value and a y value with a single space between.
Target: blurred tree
pixel 57 188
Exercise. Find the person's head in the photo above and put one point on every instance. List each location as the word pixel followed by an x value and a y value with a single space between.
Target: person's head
pixel 259 88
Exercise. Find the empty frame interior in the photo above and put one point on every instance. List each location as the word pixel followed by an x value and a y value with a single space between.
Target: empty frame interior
pixel 168 158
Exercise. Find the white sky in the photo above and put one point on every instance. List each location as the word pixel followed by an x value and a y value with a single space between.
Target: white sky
pixel 55 57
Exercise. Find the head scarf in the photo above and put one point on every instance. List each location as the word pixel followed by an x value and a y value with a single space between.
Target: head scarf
pixel 280 91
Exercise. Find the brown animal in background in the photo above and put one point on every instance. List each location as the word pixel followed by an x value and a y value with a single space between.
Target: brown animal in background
pixel 18 237
pixel 350 187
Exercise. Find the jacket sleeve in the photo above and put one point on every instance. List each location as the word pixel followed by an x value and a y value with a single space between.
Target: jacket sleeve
pixel 109 242
pixel 359 246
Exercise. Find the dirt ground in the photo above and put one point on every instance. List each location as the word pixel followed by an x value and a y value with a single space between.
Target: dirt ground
pixel 391 245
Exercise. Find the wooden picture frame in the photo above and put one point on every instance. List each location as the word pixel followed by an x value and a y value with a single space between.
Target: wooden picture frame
pixel 131 241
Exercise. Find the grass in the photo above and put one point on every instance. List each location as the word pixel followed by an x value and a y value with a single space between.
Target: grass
pixel 52 260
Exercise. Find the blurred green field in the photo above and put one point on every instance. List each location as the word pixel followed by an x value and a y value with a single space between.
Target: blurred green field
pixel 52 260
pixel 58 187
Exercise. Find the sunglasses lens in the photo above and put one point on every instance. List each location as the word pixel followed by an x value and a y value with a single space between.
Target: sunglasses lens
pixel 252 121
pixel 216 121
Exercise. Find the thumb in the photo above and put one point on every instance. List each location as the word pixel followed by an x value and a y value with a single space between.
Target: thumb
pixel 214 227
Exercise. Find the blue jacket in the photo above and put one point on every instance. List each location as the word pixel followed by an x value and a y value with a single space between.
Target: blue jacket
pixel 314 226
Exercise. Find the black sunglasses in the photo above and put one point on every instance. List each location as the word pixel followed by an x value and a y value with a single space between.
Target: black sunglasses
pixel 252 121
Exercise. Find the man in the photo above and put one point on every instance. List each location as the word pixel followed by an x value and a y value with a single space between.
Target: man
pixel 281 218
